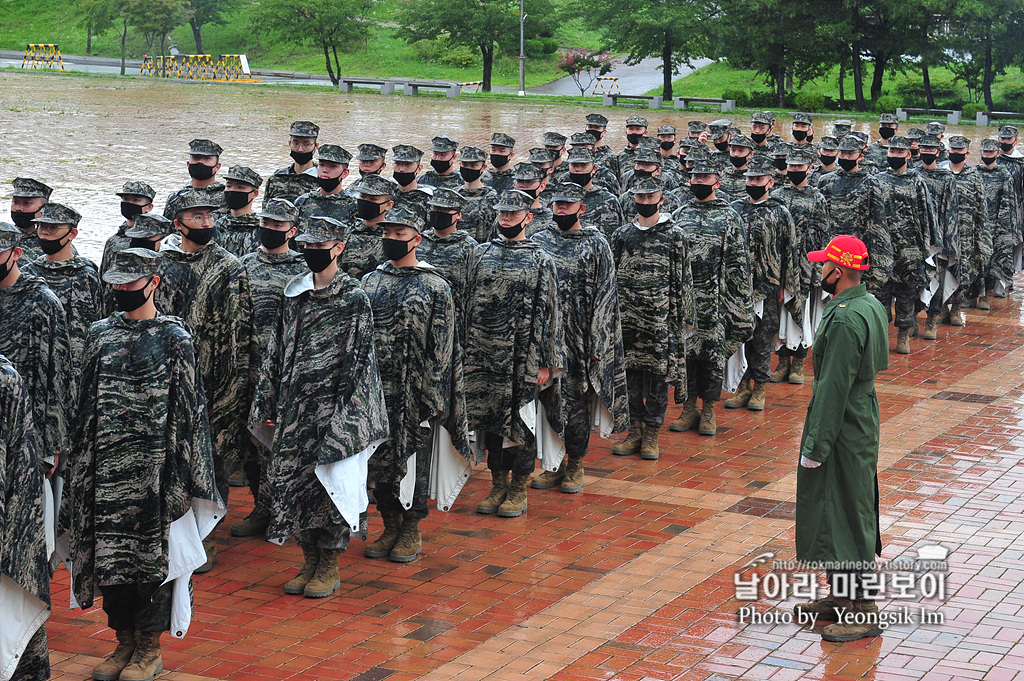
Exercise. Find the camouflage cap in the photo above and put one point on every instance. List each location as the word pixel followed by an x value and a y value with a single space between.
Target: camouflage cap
pixel 636 120
pixel 370 152
pixel 705 166
pixel 841 127
pixel 542 155
pixel 27 188
pixel 244 174
pixel 150 226
pixel 801 117
pixel 666 130
pixel 132 264
pixel 741 141
pixel 375 185
pixel 888 118
pixel 829 142
pixel 580 155
pixel 1008 131
pixel 696 126
pixel 304 129
pixel 332 153
pixel 472 155
pixel 443 144
pixel 405 153
pixel 403 217
pixel 930 142
pixel 849 143
pixel 763 117
pixel 759 169
pixel 553 139
pixel 647 156
pixel 899 143
pixel 719 127
pixel 59 214
pixel 859 136
pixel 934 128
pixel 915 134
pixel 500 139
pixel 193 198
pixel 733 130
pixel 800 157
pixel 319 229
pixel 582 139
pixel 513 200
pixel 699 152
pixel 528 172
pixel 10 236
pixel 687 142
pixel 204 148
pixel 137 188
pixel 446 198
pixel 990 144
pixel 959 142
pixel 597 120
pixel 647 185
pixel 649 143
pixel 567 192
pixel 781 149
pixel 281 210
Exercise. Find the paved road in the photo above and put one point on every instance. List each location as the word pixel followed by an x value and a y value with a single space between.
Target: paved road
pixel 633 80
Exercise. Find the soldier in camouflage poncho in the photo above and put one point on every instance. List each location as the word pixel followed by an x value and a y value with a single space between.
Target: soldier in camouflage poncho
pixel 828 154
pixel 363 251
pixel 734 183
pixel 878 151
pixel 603 208
pixel 1003 225
pixel 236 229
pixel 414 322
pixel 142 460
pixel 761 125
pixel 588 299
pixel 450 249
pixel 23 551
pixel 499 177
pixel 533 181
pixel 320 397
pixel 647 163
pixel 478 212
pixel 329 198
pixel 597 127
pixel 409 193
pixel 651 262
pixel 636 129
pixel 1013 161
pixel 299 176
pixel 514 347
pixel 136 199
pixel 442 164
pixel 27 201
pixel 203 164
pixel 942 191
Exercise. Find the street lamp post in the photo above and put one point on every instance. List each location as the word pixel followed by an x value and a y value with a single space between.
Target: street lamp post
pixel 522 50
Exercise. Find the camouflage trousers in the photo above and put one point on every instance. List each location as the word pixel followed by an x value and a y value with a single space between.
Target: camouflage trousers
pixel 138 607
pixel 34 664
pixel 335 536
pixel 255 471
pixel 758 349
pixel 388 468
pixel 648 396
pixel 704 378
pixel 577 423
pixel 907 297
pixel 518 459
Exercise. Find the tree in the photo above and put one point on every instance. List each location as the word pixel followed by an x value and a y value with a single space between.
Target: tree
pixel 97 16
pixel 206 12
pixel 326 24
pixel 155 19
pixel 988 35
pixel 584 66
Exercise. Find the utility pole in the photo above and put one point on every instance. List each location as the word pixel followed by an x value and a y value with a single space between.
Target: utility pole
pixel 522 50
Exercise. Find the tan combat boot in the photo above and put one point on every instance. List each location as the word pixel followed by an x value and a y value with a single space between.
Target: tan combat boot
pixel 631 444
pixel 573 480
pixel 903 342
pixel 796 373
pixel 146 660
pixel 983 303
pixel 757 396
pixel 823 610
pixel 688 419
pixel 409 544
pixel 210 544
pixel 549 479
pixel 381 548
pixel 842 632
pixel 497 495
pixel 931 329
pixel 968 303
pixel 110 669
pixel 708 426
pixel 515 503
pixel 956 317
pixel 649 450
pixel 782 371
pixel 742 396
pixel 296 586
pixel 253 524
pixel 326 579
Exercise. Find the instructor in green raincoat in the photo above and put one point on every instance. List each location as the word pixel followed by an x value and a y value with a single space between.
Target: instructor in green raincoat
pixel 837 482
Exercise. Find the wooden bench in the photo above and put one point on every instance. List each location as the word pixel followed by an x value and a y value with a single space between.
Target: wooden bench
pixel 682 102
pixel 612 99
pixel 387 87
pixel 984 117
pixel 412 87
pixel 952 117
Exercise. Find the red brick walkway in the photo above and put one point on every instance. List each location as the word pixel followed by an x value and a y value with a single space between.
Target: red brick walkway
pixel 633 578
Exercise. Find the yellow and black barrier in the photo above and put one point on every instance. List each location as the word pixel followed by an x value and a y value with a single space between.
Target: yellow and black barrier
pixel 227 68
pixel 475 84
pixel 601 82
pixel 42 56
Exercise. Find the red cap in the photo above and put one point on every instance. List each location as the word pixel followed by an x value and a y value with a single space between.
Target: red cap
pixel 845 250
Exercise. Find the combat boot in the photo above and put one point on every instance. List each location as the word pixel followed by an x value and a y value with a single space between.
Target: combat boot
pixel 496 497
pixel 782 371
pixel 210 544
pixel 931 329
pixel 146 660
pixel 823 610
pixel 796 373
pixel 253 524
pixel 573 480
pixel 983 303
pixel 110 669
pixel 296 586
pixel 409 544
pixel 944 316
pixel 757 396
pixel 864 611
pixel 238 478
pixel 903 342
pixel 515 503
pixel 326 579
pixel 688 418
pixel 956 317
pixel 381 548
pixel 549 479
pixel 708 426
pixel 741 398
pixel 649 450
pixel 968 303
pixel 631 444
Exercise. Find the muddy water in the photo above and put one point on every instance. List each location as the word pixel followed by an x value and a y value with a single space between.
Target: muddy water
pixel 87 136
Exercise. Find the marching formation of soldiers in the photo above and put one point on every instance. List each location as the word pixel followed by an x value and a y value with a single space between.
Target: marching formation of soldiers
pixel 353 342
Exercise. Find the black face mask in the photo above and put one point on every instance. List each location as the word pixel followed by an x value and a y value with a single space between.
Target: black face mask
pixel 1006 146
pixel 532 193
pixel 738 161
pixel 759 137
pixel 640 174
pixel 396 249
pixel 201 237
pixel 647 209
pixel 756 192
pixel 470 175
pixel 367 209
pixel 273 238
pixel 830 286
pixel 957 158
pixel 989 160
pixel 404 179
pixel 441 166
pixel 23 218
pixel 596 134
pixel 441 221
pixel 796 176
pixel 5 269
pixel 130 210
pixel 128 301
pixel 887 133
pixel 141 242
pixel 799 135
pixel 633 138
pixel 302 157
pixel 364 173
pixel 52 246
pixel 582 179
pixel 667 145
pixel 499 160
pixel 566 222
pixel 200 171
pixel 927 159
pixel 236 200
pixel 328 184
pixel 317 259
pixel 848 164
pixel 914 153
pixel 826 160
pixel 722 146
pixel 702 191
pixel 779 163
pixel 512 231
pixel 898 162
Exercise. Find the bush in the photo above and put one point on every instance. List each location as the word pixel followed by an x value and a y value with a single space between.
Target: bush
pixel 739 95
pixel 761 100
pixel 943 87
pixel 441 51
pixel 1013 92
pixel 550 45
pixel 460 56
pixel 426 50
pixel 809 101
pixel 970 111
pixel 534 48
pixel 888 104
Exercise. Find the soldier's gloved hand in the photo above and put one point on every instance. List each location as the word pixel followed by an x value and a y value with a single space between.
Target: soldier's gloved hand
pixel 808 463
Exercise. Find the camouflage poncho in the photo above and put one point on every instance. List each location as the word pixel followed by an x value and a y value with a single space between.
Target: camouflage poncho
pixel 364 249
pixel 603 210
pixel 142 451
pixel 1003 227
pixel 238 235
pixel 454 256
pixel 900 200
pixel 414 200
pixel 116 242
pixel 771 236
pixel 285 183
pixel 340 206
pixel 542 219
pixel 29 244
pixel 432 178
pixel 268 274
pixel 321 388
pixel 973 226
pixel 942 191
pixel 814 229
pixel 849 197
pixel 478 214
pixel 499 180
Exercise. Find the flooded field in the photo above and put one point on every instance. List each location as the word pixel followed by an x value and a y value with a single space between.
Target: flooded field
pixel 87 136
